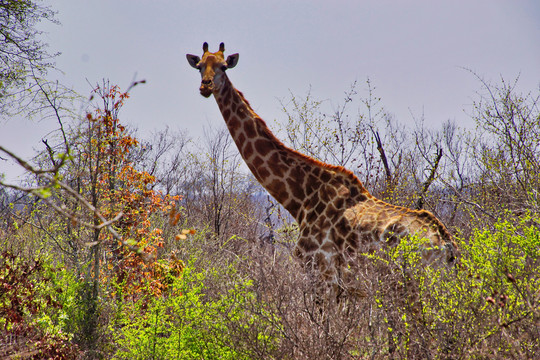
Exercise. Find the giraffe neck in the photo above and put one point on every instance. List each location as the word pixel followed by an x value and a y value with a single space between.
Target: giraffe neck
pixel 275 166
pixel 292 178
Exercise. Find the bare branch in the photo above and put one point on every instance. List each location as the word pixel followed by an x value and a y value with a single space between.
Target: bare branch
pixel 425 186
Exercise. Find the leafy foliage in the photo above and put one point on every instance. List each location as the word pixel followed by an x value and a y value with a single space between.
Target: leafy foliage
pixel 189 323
pixel 489 304
pixel 32 312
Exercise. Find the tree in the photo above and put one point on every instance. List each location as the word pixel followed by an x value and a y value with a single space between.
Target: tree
pixel 103 170
pixel 508 147
pixel 166 157
pixel 24 59
pixel 106 230
pixel 335 138
pixel 371 143
pixel 216 193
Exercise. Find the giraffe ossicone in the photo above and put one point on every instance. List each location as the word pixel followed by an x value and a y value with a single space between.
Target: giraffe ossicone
pixel 338 218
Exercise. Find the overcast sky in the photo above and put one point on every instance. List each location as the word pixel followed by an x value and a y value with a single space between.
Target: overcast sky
pixel 413 51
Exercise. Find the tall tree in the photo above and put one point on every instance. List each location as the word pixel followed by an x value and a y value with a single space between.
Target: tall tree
pixel 24 57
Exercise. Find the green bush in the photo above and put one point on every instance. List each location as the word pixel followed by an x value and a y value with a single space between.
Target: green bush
pixel 189 323
pixel 487 306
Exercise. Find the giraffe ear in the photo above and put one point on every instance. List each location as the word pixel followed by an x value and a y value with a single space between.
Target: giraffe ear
pixel 232 60
pixel 193 60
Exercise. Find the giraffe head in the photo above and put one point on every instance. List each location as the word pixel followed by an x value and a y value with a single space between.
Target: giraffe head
pixel 212 67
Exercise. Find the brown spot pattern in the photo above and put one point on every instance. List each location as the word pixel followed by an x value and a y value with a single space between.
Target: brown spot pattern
pixel 248 150
pixel 307 244
pixel 234 123
pixel 249 129
pixel 264 146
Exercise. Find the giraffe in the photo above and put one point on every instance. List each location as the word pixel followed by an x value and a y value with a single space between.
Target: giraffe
pixel 338 218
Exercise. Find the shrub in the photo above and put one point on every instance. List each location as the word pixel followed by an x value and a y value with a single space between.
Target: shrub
pixel 488 306
pixel 32 315
pixel 188 322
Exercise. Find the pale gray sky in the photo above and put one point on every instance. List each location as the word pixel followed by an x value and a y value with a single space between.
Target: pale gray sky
pixel 414 52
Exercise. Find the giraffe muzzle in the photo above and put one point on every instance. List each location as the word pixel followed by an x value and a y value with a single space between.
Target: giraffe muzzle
pixel 207 86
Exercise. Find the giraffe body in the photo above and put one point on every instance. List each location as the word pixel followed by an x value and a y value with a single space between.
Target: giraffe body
pixel 337 217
